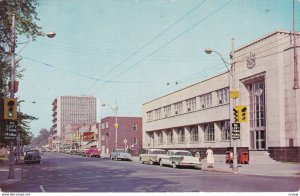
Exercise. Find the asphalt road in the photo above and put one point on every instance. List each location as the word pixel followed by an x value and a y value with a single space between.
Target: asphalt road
pixel 65 173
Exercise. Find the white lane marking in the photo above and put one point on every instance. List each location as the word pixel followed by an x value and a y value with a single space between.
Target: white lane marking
pixel 42 188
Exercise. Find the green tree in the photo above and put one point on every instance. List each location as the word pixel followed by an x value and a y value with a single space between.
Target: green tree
pixel 25 26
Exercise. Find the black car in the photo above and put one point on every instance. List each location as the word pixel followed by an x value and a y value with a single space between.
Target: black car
pixel 32 156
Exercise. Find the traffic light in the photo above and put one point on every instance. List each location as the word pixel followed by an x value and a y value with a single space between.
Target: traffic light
pixel 243 113
pixel 236 115
pixel 10 108
pixel 240 113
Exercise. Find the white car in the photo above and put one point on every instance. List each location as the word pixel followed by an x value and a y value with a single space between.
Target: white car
pixel 151 156
pixel 176 158
pixel 120 154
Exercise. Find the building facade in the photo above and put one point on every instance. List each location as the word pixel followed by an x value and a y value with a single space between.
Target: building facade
pixel 72 109
pixel 129 134
pixel 200 116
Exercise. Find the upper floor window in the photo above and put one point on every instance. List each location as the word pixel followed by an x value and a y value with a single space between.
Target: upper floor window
pixel 191 104
pixel 206 100
pixel 150 115
pixel 106 124
pixel 167 110
pixel 178 107
pixel 134 127
pixel 135 141
pixel 223 95
pixel 157 113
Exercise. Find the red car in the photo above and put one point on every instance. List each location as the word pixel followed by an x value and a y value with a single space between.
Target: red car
pixel 93 152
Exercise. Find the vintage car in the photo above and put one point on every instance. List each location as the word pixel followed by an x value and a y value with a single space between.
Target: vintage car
pixel 32 156
pixel 120 154
pixel 177 158
pixel 151 156
pixel 93 151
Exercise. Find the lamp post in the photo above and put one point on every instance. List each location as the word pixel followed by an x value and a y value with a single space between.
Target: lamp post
pixel 115 110
pixel 229 67
pixel 11 172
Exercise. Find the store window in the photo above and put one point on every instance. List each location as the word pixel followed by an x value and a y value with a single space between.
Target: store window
pixel 181 135
pixel 194 133
pixel 209 132
pixel 225 130
pixel 170 137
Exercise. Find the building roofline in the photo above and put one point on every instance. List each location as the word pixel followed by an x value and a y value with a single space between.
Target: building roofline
pixel 263 38
pixel 223 73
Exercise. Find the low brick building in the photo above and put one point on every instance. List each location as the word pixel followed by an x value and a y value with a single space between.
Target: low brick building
pixel 129 134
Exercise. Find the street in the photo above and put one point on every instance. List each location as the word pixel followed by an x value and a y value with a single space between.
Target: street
pixel 66 173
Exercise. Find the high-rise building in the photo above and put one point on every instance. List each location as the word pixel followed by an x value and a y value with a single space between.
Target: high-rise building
pixel 72 109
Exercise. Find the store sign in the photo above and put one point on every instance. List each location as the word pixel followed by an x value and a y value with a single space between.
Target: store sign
pixel 88 136
pixel 11 130
pixel 236 127
pixel 251 60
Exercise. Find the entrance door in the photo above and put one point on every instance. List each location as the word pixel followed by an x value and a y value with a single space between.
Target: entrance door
pixel 260 140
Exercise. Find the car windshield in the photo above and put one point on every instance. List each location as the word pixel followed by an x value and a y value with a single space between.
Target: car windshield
pixel 184 153
pixel 32 152
pixel 159 152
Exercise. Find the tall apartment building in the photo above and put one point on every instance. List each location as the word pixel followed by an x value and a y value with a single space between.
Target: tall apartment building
pixel 72 109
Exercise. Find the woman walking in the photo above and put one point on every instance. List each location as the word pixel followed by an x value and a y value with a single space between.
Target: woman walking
pixel 210 157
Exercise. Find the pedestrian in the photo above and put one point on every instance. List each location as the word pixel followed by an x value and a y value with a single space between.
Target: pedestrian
pixel 210 157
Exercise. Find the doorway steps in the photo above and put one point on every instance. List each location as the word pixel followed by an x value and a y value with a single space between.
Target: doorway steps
pixel 258 157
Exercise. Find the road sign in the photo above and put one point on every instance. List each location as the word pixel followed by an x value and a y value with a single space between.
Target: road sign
pixel 116 125
pixel 236 127
pixel 234 94
pixel 11 130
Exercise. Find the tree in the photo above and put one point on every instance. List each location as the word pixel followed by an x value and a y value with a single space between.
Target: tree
pixel 42 138
pixel 25 18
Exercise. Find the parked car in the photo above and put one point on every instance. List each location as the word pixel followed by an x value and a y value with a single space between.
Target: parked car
pixel 93 152
pixel 151 156
pixel 120 154
pixel 32 156
pixel 177 158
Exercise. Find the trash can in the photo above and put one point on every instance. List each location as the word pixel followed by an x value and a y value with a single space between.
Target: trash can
pixel 244 157
pixel 229 157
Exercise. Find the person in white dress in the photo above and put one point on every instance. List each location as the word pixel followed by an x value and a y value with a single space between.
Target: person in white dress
pixel 210 157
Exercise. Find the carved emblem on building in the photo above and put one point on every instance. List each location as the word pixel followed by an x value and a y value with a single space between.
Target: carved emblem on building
pixel 251 60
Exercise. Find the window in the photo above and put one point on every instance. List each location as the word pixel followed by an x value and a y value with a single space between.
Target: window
pixel 181 135
pixel 106 124
pixel 191 104
pixel 103 137
pixel 134 127
pixel 206 100
pixel 167 110
pixel 135 141
pixel 170 136
pixel 178 107
pixel 157 113
pixel 150 115
pixel 160 137
pixel 223 95
pixel 194 133
pixel 257 104
pixel 209 132
pixel 103 126
pixel 225 130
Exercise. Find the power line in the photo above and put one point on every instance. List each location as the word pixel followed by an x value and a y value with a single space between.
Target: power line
pixel 152 40
pixel 171 41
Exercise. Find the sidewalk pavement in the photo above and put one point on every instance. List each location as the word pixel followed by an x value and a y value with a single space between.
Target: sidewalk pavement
pixel 4 169
pixel 258 169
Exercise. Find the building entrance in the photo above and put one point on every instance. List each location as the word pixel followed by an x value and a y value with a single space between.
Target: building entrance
pixel 257 115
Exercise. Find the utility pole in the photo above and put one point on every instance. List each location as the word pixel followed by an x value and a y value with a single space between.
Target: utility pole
pixel 296 81
pixel 11 172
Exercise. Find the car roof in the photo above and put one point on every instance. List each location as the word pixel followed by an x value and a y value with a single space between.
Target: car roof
pixel 178 151
pixel 155 149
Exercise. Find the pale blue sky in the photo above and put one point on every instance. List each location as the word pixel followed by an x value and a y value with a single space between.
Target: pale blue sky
pixel 135 47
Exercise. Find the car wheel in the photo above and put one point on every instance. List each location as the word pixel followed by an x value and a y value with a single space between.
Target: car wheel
pixel 174 165
pixel 161 163
pixel 151 162
pixel 142 162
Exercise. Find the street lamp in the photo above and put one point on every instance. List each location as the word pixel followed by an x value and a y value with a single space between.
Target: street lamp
pixel 115 110
pixel 11 174
pixel 232 141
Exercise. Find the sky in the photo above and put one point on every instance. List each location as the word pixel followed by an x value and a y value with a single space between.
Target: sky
pixel 131 51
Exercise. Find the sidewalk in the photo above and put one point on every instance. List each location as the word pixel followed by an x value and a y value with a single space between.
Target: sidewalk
pixel 261 169
pixel 4 169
